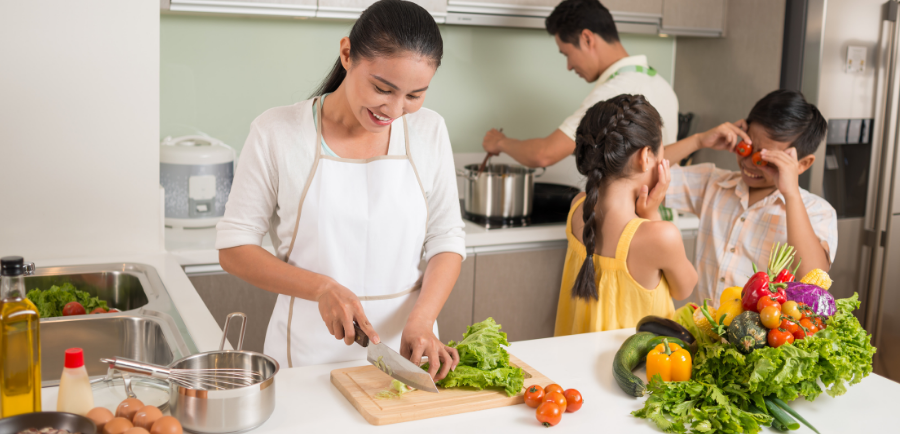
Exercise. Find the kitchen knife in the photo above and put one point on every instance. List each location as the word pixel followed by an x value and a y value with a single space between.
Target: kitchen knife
pixel 392 363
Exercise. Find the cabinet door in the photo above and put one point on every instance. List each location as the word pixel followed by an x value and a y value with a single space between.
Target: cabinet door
pixel 694 17
pixel 520 290
pixel 351 9
pixel 650 7
pixel 294 8
pixel 456 315
pixel 224 294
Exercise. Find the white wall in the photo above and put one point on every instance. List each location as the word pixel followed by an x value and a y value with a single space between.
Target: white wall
pixel 79 123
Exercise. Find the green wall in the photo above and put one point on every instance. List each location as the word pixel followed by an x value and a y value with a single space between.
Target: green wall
pixel 219 73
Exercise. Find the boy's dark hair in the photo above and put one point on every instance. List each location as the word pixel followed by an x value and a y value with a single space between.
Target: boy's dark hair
pixel 787 116
pixel 609 134
pixel 570 17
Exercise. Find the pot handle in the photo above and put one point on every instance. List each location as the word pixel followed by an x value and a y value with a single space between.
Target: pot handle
pixel 462 174
pixel 543 171
pixel 240 344
pixel 135 367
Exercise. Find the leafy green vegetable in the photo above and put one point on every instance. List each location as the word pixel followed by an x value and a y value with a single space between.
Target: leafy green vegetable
pixel 483 362
pixel 50 302
pixel 839 355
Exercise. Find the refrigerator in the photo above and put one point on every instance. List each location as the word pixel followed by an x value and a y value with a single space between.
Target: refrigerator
pixel 845 57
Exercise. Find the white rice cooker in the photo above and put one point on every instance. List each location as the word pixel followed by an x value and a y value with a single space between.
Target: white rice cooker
pixel 196 173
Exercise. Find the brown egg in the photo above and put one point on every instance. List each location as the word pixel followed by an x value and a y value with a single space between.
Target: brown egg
pixel 166 425
pixel 146 416
pixel 137 430
pixel 117 426
pixel 100 416
pixel 128 408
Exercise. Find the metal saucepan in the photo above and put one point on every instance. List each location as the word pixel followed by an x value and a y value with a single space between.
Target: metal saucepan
pixel 501 190
pixel 203 409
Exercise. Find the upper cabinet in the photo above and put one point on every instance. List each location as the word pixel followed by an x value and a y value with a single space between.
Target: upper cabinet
pixel 291 8
pixel 694 18
pixel 351 9
pixel 631 16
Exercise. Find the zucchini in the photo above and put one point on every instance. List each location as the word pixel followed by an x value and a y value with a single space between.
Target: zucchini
pixel 630 354
pixel 664 327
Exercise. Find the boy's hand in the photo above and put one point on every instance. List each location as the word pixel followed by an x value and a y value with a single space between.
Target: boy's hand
pixel 786 172
pixel 725 137
pixel 647 205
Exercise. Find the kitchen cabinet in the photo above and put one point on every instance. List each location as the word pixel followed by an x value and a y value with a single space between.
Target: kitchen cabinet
pixel 351 9
pixel 291 8
pixel 520 289
pixel 694 18
pixel 649 7
pixel 223 294
pixel 456 315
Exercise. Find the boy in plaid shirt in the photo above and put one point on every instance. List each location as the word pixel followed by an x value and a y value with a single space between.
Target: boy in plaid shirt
pixel 743 214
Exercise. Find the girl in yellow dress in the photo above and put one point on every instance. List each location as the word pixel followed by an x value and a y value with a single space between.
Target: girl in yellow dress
pixel 623 261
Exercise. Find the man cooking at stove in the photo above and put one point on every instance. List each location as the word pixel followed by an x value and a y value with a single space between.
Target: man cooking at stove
pixel 586 34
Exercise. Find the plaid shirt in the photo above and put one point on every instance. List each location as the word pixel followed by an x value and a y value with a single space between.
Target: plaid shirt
pixel 732 235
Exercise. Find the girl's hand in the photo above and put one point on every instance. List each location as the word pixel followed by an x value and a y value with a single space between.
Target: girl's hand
pixel 339 307
pixel 648 202
pixel 726 136
pixel 418 339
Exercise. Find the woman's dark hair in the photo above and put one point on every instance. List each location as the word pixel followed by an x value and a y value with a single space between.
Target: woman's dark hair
pixel 389 28
pixel 609 134
pixel 787 116
pixel 571 17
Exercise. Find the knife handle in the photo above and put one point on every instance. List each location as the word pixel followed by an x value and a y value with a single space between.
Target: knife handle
pixel 361 337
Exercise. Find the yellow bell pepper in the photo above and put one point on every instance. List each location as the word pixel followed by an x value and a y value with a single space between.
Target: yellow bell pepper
pixel 730 304
pixel 671 362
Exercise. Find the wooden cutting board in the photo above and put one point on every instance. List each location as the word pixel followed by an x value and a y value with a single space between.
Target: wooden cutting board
pixel 360 385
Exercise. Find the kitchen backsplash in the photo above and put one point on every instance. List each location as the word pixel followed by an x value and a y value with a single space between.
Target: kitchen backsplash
pixel 219 73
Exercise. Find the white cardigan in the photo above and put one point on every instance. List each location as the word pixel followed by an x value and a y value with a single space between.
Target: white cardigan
pixel 276 162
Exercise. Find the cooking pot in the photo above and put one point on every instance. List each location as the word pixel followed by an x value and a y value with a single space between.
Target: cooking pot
pixel 501 190
pixel 228 410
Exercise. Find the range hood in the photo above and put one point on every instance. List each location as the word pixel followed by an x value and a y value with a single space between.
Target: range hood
pixel 527 16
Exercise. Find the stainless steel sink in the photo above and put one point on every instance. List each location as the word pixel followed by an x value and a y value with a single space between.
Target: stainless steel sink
pixel 148 329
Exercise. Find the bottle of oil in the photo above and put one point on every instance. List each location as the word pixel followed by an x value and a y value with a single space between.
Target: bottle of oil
pixel 20 344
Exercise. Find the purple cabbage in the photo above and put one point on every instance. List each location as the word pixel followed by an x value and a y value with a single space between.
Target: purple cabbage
pixel 820 300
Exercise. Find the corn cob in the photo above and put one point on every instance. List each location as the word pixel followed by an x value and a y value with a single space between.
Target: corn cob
pixel 817 277
pixel 703 323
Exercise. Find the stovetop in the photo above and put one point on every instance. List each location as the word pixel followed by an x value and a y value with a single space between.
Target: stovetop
pixel 536 219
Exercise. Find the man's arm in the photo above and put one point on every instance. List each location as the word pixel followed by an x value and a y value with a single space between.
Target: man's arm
pixel 541 152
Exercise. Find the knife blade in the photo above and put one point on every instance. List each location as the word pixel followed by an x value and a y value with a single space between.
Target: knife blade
pixel 392 363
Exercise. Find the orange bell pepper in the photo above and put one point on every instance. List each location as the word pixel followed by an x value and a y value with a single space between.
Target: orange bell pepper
pixel 670 361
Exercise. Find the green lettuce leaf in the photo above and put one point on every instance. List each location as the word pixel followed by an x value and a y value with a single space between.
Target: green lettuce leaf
pixel 50 302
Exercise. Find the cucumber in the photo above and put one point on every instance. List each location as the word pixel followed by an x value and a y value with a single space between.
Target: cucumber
pixel 630 354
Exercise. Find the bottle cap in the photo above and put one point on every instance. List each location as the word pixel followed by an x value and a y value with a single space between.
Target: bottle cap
pixel 74 358
pixel 12 266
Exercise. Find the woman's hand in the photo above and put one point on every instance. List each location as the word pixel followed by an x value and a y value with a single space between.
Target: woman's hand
pixel 648 202
pixel 339 307
pixel 418 340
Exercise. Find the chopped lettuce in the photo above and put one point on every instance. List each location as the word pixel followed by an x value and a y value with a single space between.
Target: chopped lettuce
pixel 835 357
pixel 50 302
pixel 483 362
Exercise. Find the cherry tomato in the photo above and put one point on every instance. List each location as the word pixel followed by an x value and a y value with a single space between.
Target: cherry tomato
pixel 799 335
pixel 789 325
pixel 73 308
pixel 779 337
pixel 757 160
pixel 792 310
pixel 553 388
pixel 557 398
pixel 810 325
pixel 573 400
pixel 820 323
pixel 534 395
pixel 548 414
pixel 112 309
pixel 767 301
pixel 98 310
pixel 743 149
pixel 770 317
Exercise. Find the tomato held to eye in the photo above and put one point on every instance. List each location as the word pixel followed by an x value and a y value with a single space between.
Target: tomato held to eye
pixel 553 388
pixel 534 395
pixel 743 149
pixel 757 160
pixel 573 400
pixel 778 337
pixel 767 301
pixel 548 414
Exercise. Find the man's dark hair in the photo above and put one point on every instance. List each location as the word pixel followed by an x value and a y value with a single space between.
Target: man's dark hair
pixel 571 17
pixel 787 116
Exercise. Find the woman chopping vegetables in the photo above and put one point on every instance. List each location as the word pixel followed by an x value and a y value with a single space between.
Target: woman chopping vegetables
pixel 355 186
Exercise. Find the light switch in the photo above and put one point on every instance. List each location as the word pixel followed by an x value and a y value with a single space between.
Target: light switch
pixel 856 59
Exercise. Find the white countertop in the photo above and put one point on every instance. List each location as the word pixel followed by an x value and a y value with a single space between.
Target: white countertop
pixel 306 401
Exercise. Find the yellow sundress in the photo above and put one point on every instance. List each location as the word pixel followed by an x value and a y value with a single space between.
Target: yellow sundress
pixel 622 300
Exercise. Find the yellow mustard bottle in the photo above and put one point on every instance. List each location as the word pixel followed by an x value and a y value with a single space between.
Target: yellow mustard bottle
pixel 20 344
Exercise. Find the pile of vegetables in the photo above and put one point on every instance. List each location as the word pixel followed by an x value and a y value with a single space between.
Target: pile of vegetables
pixel 788 340
pixel 65 300
pixel 483 362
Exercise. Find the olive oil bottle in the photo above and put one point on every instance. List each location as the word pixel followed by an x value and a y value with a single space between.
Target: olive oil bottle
pixel 20 345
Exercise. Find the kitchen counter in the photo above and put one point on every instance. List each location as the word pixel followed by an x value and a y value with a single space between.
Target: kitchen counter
pixel 306 400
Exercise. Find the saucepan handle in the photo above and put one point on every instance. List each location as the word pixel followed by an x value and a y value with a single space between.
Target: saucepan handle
pixel 543 170
pixel 240 345
pixel 136 367
pixel 462 174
